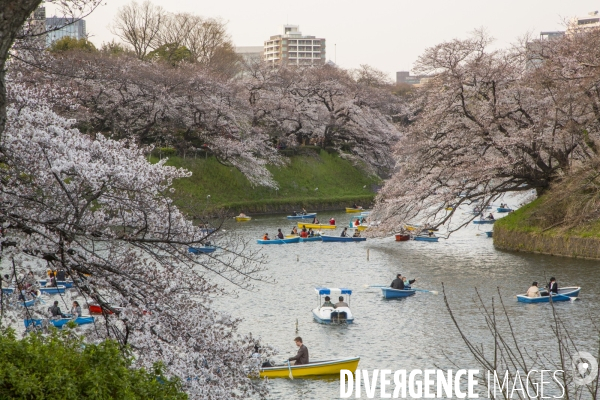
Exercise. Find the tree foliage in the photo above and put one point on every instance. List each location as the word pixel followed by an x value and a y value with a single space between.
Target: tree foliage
pixel 491 122
pixel 61 365
pixel 68 43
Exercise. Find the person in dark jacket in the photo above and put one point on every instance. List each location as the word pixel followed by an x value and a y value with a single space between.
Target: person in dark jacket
pixel 302 357
pixel 398 283
pixel 279 234
pixel 55 311
pixel 344 233
pixel 553 286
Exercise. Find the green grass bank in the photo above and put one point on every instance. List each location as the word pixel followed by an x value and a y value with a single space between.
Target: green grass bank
pixel 564 221
pixel 314 180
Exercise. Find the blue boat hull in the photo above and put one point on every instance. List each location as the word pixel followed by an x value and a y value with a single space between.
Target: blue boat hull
pixel 201 250
pixel 425 239
pixel 67 284
pixel 489 234
pixel 311 239
pixel 389 293
pixel 565 294
pixel 342 239
pixel 503 210
pixel 304 216
pixel 8 290
pixel 59 323
pixel 53 290
pixel 279 241
pixel 484 221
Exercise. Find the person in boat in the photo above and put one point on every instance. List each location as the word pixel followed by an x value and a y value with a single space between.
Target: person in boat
pixel 356 233
pixel 279 233
pixel 55 311
pixel 430 234
pixel 61 275
pixel 294 231
pixel 266 237
pixel 294 213
pixel 304 211
pixel 328 302
pixel 242 215
pixel 30 280
pixel 331 221
pixel 356 206
pixel 533 290
pixel 344 233
pixel 304 233
pixel 75 310
pixel 51 281
pixel 311 233
pixel 398 283
pixel 301 357
pixel 553 286
pixel 6 281
pixel 491 217
pixel 407 282
pixel 315 220
pixel 357 222
pixel 340 303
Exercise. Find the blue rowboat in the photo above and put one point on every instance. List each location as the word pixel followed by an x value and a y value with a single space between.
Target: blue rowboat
pixel 564 294
pixel 53 289
pixel 426 238
pixel 207 231
pixel 327 238
pixel 279 241
pixel 484 221
pixel 201 249
pixel 28 303
pixel 503 210
pixel 311 239
pixel 59 323
pixel 489 233
pixel 389 293
pixel 8 290
pixel 302 216
pixel 67 284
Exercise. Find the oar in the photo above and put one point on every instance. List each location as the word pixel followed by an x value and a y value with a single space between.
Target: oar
pixel 290 368
pixel 426 291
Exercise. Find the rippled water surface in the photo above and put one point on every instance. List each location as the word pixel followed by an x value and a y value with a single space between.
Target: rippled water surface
pixel 405 333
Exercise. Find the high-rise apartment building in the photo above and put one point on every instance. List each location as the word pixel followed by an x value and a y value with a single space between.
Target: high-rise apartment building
pixel 292 48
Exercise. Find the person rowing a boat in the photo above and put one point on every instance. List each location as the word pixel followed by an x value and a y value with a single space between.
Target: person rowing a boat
pixel 533 291
pixel 279 233
pixel 55 311
pixel 398 283
pixel 491 217
pixel 553 286
pixel 344 233
pixel 302 357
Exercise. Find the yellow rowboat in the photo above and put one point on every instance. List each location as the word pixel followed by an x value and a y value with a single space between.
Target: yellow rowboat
pixel 332 367
pixel 412 228
pixel 238 219
pixel 291 236
pixel 315 226
pixel 354 210
pixel 361 228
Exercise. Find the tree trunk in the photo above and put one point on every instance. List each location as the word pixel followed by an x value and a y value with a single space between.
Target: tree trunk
pixel 13 14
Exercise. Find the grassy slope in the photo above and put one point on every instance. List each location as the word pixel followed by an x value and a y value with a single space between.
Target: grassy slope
pixel 336 179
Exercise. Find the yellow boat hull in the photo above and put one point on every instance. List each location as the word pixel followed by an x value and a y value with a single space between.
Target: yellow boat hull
pixel 239 219
pixel 361 228
pixel 354 210
pixel 315 226
pixel 332 367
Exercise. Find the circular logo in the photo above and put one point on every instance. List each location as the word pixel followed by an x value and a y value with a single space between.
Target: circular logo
pixel 584 368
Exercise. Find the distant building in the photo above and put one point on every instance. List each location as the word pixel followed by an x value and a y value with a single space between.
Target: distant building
pixel 58 28
pixel 592 20
pixel 415 80
pixel 250 53
pixel 292 48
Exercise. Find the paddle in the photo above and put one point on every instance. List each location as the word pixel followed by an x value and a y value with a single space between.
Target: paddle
pixel 290 368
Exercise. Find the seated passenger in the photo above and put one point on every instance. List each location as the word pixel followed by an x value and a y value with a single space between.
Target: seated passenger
pixel 279 233
pixel 407 282
pixel 328 302
pixel 553 286
pixel 491 216
pixel 533 291
pixel 266 237
pixel 331 221
pixel 356 233
pixel 304 233
pixel 398 283
pixel 311 233
pixel 294 213
pixel 357 222
pixel 55 311
pixel 294 231
pixel 340 303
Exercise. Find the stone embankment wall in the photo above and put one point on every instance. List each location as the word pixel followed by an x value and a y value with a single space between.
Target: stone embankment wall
pixel 561 245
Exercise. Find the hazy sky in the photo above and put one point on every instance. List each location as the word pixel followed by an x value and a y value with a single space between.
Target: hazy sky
pixel 387 34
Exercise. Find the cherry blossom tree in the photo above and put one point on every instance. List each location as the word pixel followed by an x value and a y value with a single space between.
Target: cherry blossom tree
pixel 99 210
pixel 489 122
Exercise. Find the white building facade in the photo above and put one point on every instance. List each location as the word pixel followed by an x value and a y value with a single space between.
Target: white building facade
pixel 293 48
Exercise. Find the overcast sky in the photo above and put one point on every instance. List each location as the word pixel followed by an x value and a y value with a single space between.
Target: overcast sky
pixel 387 34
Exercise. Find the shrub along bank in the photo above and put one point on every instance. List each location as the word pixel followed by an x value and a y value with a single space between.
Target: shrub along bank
pixel 313 180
